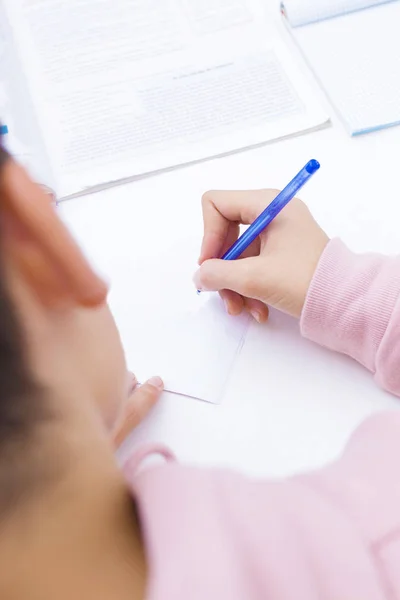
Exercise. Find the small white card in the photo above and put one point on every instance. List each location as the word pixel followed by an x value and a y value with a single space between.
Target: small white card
pixel 169 330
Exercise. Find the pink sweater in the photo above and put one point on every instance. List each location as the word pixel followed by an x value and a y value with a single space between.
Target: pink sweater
pixel 329 535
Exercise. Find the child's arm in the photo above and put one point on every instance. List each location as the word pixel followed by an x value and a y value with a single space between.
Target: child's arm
pixel 353 307
pixel 346 302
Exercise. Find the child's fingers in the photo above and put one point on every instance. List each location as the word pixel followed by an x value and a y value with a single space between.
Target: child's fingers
pixel 223 211
pixel 138 406
pixel 216 230
pixel 258 310
pixel 234 303
pixel 243 276
pixel 222 220
pixel 215 243
pixel 235 206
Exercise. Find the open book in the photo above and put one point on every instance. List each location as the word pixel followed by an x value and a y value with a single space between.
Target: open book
pixel 353 47
pixel 108 90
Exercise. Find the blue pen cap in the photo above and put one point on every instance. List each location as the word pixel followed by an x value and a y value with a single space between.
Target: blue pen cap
pixel 312 166
pixel 3 130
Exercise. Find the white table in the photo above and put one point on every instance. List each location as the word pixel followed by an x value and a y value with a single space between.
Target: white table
pixel 289 405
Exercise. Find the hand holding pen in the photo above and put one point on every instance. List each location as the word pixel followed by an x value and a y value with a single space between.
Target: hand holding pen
pixel 277 267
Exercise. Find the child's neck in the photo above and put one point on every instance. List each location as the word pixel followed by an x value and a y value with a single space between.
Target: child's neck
pixel 79 540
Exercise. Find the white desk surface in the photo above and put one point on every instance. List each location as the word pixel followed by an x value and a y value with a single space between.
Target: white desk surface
pixel 290 405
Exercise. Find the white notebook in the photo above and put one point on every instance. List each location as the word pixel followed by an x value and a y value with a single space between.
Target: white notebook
pixel 104 91
pixel 353 47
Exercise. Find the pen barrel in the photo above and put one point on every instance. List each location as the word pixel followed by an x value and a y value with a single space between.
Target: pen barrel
pixel 272 211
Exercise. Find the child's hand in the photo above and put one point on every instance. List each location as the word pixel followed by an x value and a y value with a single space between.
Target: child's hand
pixel 276 270
pixel 140 401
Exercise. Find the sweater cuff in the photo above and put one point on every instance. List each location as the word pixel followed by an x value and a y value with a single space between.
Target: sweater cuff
pixel 350 302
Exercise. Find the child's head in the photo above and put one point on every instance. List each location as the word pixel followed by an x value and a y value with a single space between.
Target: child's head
pixel 60 354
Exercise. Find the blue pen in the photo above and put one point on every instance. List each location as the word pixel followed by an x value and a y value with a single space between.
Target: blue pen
pixel 272 211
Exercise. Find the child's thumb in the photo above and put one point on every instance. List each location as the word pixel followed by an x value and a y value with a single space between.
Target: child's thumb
pixel 236 275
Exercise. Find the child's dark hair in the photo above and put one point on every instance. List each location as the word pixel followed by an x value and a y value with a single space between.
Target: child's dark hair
pixel 20 406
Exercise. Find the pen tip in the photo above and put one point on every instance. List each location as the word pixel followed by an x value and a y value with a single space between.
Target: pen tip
pixel 198 292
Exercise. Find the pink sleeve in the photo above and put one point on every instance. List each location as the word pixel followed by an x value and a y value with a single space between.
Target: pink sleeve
pixel 337 531
pixel 333 534
pixel 353 307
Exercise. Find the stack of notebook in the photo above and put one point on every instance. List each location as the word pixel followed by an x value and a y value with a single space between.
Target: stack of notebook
pixel 353 47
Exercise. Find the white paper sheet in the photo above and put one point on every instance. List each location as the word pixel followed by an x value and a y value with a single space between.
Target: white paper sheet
pixel 130 87
pixel 169 330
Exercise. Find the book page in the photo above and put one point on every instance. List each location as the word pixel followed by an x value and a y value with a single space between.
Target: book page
pixel 304 12
pixel 17 109
pixel 134 86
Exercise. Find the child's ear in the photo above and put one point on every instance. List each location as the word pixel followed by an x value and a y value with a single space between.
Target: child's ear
pixel 39 245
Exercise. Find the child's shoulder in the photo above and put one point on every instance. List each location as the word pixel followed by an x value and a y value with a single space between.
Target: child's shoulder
pixel 217 535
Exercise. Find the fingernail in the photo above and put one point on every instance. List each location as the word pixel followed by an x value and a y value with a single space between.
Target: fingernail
pixel 156 382
pixel 197 281
pixel 229 309
pixel 256 315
